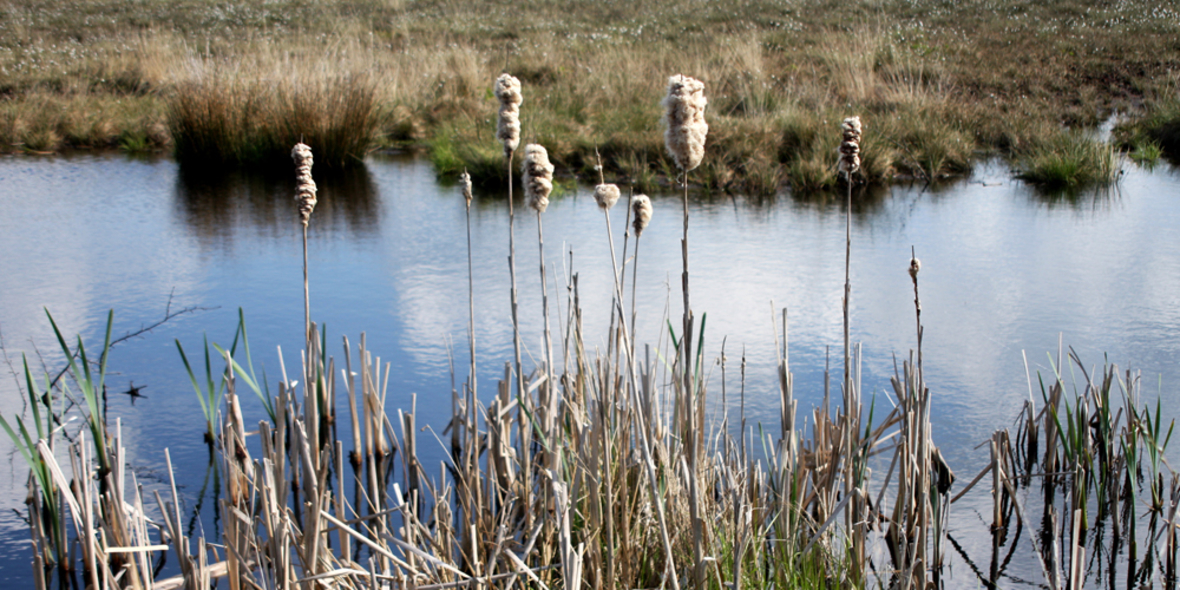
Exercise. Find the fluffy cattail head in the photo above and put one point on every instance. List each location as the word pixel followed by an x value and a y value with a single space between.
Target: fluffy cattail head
pixel 850 147
pixel 508 126
pixel 640 213
pixel 465 183
pixel 304 185
pixel 684 114
pixel 915 266
pixel 538 176
pixel 606 195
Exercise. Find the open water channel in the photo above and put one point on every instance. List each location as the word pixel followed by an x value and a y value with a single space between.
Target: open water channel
pixel 1008 272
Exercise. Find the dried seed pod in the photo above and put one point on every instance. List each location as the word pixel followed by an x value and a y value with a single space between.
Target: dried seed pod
pixel 640 213
pixel 538 176
pixel 304 185
pixel 606 195
pixel 465 182
pixel 850 147
pixel 508 126
pixel 915 266
pixel 684 115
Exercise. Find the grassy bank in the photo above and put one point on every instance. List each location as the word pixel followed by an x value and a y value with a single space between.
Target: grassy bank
pixel 936 83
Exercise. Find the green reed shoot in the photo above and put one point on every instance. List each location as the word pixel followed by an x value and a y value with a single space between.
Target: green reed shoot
pixel 91 387
pixel 52 514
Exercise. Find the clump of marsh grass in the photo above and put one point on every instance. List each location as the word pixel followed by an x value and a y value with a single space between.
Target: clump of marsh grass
pixel 219 118
pixel 1069 159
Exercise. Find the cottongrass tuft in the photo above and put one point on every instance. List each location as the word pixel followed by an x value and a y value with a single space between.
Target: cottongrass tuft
pixel 465 183
pixel 508 126
pixel 684 114
pixel 538 176
pixel 606 195
pixel 640 213
pixel 304 186
pixel 850 147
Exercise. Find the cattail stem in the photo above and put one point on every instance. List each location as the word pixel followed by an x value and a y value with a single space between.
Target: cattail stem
pixel 306 294
pixel 305 195
pixel 466 181
pixel 526 464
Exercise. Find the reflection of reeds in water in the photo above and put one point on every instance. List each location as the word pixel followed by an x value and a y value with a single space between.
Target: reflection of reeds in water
pixel 218 206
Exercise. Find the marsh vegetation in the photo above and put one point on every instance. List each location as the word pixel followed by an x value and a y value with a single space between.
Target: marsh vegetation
pixel 941 83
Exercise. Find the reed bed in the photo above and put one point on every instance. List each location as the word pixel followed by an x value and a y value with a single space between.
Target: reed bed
pixel 594 469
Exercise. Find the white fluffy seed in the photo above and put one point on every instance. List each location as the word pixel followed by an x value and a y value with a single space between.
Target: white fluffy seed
pixel 684 115
pixel 304 186
pixel 537 176
pixel 606 195
pixel 508 126
pixel 640 213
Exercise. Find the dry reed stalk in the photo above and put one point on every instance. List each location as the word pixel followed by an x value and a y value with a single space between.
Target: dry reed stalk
pixel 684 116
pixel 537 179
pixel 465 183
pixel 508 92
pixel 305 191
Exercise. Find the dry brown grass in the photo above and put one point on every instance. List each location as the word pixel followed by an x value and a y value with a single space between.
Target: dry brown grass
pixel 959 73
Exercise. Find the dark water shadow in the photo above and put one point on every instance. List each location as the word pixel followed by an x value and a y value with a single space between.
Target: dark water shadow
pixel 218 205
pixel 1074 197
pixel 867 201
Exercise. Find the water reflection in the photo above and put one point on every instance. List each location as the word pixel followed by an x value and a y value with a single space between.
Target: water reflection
pixel 216 205
pixel 1074 197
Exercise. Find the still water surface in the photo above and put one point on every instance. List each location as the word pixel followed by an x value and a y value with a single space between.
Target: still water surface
pixel 1006 270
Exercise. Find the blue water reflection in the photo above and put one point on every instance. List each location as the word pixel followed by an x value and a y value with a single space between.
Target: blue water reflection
pixel 1005 269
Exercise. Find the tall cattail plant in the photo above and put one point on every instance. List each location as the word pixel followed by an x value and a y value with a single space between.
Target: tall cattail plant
pixel 507 91
pixel 305 190
pixel 849 165
pixel 537 178
pixel 684 116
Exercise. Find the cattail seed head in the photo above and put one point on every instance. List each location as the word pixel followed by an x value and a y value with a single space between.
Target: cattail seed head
pixel 640 213
pixel 304 185
pixel 508 127
pixel 606 195
pixel 538 176
pixel 915 266
pixel 465 183
pixel 850 147
pixel 684 114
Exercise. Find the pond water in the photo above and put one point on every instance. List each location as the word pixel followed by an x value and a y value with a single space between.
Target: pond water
pixel 1006 270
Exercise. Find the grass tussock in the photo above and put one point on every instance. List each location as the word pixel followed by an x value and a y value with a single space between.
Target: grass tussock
pixel 226 118
pixel 1069 159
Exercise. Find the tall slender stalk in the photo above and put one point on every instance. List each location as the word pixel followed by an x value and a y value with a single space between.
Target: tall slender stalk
pixel 685 139
pixel 305 194
pixel 849 164
pixel 465 180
